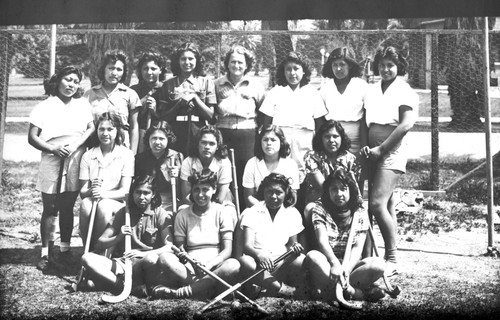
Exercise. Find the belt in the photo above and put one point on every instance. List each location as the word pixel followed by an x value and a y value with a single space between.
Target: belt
pixel 186 118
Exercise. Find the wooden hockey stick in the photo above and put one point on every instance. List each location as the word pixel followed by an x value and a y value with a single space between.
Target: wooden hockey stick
pixel 127 285
pixel 235 182
pixel 235 288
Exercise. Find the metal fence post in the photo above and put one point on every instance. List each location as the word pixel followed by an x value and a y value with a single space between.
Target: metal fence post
pixel 52 67
pixel 434 114
pixel 4 87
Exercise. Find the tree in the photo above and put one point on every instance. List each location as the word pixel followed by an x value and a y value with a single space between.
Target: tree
pixel 281 44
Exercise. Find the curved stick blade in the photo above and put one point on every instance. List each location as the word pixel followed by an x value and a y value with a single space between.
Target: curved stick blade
pixel 339 295
pixel 127 286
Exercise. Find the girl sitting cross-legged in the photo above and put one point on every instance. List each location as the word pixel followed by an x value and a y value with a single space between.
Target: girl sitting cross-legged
pixel 204 230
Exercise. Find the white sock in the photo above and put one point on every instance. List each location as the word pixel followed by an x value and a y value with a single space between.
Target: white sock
pixel 65 246
pixel 45 252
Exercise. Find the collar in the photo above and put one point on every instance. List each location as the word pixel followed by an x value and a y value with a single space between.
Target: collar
pixel 191 79
pixel 225 79
pixel 120 86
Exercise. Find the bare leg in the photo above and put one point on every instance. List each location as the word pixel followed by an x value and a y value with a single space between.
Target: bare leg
pixel 101 270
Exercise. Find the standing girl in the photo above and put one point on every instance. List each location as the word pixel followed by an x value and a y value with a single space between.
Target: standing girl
pixel 151 228
pixel 208 152
pixel 151 74
pixel 160 161
pixel 391 111
pixel 344 94
pixel 187 100
pixel 238 99
pixel 59 127
pixel 204 230
pixel 111 95
pixel 296 107
pixel 270 228
pixel 271 155
pixel 105 175
pixel 333 220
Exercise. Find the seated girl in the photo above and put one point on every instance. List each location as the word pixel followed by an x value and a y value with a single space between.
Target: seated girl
pixel 208 152
pixel 271 155
pixel 270 228
pixel 150 229
pixel 204 230
pixel 332 217
pixel 159 160
pixel 105 175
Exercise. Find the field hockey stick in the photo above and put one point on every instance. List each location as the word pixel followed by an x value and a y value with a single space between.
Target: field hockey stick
pixel 235 182
pixel 238 285
pixel 219 279
pixel 174 189
pixel 339 290
pixel 392 291
pixel 127 285
pixel 93 211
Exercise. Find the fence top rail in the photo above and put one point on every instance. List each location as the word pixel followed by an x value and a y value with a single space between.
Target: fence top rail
pixel 244 32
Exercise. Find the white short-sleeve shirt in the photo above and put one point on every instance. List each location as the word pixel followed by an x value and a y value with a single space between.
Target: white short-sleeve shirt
pixel 256 170
pixel 221 167
pixel 347 106
pixel 272 235
pixel 383 108
pixel 295 109
pixel 57 119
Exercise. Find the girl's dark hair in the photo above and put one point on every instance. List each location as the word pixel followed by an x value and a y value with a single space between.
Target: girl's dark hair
pixel 283 182
pixel 346 178
pixel 355 70
pixel 162 126
pixel 220 153
pixel 205 176
pixel 148 57
pixel 297 58
pixel 317 142
pixel 174 60
pixel 51 85
pixel 284 145
pixel 151 182
pixel 249 57
pixel 116 121
pixel 392 54
pixel 112 57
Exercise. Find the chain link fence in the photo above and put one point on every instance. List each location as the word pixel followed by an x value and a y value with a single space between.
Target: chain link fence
pixel 446 69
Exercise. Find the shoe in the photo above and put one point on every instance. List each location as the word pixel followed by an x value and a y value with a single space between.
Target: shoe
pixel 162 292
pixel 374 294
pixel 43 264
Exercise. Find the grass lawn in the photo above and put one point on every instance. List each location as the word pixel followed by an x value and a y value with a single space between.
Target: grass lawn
pixel 441 246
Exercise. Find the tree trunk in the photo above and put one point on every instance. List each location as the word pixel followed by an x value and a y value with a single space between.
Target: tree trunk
pixel 282 44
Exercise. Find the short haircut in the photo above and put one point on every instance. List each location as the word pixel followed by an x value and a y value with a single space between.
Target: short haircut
pixel 317 142
pixel 392 54
pixel 112 57
pixel 283 182
pixel 355 69
pixel 347 178
pixel 162 126
pixel 51 86
pixel 151 182
pixel 297 58
pixel 174 60
pixel 284 145
pixel 249 57
pixel 221 152
pixel 203 176
pixel 116 121
pixel 149 56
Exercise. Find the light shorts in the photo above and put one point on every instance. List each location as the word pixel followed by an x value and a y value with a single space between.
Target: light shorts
pixel 394 159
pixel 352 130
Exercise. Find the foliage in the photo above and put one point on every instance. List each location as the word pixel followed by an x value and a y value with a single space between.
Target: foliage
pixel 31 53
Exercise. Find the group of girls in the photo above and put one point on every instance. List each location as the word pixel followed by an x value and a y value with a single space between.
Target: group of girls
pixel 312 150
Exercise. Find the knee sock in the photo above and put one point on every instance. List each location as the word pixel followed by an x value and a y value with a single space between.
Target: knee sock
pixel 184 292
pixel 390 255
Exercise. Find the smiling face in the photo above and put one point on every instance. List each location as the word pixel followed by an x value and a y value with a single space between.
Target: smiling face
pixel 331 141
pixel 142 196
pixel 207 146
pixel 68 85
pixel 274 196
pixel 388 69
pixel 113 72
pixel 187 62
pixel 237 64
pixel 106 133
pixel 339 193
pixel 340 68
pixel 270 144
pixel 150 72
pixel 293 74
pixel 202 194
pixel 158 142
